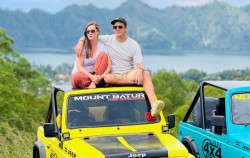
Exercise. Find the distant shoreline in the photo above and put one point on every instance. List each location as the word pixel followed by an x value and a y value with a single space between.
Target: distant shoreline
pixel 144 51
pixel 179 61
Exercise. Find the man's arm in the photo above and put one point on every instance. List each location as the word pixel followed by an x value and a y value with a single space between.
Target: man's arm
pixel 79 46
pixel 140 65
pixel 138 78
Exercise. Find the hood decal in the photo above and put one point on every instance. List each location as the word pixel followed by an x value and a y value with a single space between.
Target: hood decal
pixel 136 145
pixel 125 143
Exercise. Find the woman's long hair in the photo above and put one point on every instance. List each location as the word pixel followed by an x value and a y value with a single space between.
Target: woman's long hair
pixel 87 44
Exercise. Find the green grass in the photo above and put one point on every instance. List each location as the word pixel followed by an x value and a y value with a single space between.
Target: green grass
pixel 15 143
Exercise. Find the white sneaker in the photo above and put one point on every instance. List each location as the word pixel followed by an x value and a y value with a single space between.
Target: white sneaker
pixel 157 108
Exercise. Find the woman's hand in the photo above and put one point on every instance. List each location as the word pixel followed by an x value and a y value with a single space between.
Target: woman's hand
pixel 94 79
pixel 100 78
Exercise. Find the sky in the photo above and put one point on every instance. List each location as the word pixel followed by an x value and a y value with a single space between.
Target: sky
pixel 53 6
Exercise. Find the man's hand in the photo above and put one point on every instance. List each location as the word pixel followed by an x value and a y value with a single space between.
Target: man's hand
pixel 138 77
pixel 79 48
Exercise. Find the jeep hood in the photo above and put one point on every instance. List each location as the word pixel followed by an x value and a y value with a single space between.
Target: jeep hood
pixel 137 145
pixel 126 146
pixel 118 146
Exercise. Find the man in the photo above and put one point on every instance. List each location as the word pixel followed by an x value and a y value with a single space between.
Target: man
pixel 127 67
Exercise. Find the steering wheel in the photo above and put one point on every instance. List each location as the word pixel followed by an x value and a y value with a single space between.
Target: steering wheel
pixel 73 119
pixel 237 117
pixel 79 119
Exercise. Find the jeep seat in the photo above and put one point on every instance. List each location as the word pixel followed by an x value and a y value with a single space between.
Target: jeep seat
pixel 210 105
pixel 122 112
pixel 78 115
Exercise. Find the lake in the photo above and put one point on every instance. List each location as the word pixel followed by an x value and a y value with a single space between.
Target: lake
pixel 209 62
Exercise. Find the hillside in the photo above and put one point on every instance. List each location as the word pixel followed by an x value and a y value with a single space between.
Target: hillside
pixel 24 96
pixel 213 26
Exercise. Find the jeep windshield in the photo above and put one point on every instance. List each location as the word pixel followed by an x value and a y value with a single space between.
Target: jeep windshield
pixel 241 108
pixel 107 109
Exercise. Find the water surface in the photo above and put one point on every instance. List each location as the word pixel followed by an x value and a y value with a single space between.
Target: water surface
pixel 205 61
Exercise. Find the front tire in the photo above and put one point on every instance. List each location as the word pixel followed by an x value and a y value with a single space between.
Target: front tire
pixel 190 144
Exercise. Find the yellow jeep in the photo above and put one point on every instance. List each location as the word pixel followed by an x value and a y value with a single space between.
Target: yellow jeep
pixel 110 122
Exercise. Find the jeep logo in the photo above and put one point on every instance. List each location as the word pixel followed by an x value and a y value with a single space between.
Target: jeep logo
pixel 138 155
pixel 211 149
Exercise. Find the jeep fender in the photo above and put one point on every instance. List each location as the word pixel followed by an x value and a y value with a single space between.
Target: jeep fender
pixel 38 150
pixel 190 144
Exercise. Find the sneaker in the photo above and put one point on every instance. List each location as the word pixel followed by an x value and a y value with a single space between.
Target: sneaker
pixel 157 108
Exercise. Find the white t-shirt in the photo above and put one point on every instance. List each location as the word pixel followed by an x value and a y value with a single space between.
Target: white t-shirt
pixel 89 63
pixel 124 55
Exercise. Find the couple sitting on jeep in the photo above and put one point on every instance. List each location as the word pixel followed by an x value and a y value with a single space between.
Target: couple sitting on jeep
pixel 112 58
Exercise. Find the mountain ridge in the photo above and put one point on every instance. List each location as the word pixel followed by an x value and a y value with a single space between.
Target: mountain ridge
pixel 214 26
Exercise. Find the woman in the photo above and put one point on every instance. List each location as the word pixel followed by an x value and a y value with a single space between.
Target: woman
pixel 92 65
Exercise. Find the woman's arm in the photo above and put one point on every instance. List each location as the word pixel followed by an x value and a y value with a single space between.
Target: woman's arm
pixel 80 68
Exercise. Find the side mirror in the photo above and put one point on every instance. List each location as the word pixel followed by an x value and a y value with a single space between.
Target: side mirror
pixel 218 124
pixel 171 121
pixel 49 130
pixel 218 121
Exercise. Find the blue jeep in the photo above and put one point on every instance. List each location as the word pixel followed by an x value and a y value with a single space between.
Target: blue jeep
pixel 218 127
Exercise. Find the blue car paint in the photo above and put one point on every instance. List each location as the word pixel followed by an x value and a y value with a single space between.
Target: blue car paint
pixel 233 143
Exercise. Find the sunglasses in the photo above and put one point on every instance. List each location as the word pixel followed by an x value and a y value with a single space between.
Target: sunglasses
pixel 115 27
pixel 90 31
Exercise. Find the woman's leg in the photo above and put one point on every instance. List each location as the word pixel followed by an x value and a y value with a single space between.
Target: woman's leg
pixel 101 64
pixel 80 80
pixel 92 85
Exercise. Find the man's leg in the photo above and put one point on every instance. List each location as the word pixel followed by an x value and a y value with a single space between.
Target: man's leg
pixel 126 79
pixel 149 89
pixel 120 79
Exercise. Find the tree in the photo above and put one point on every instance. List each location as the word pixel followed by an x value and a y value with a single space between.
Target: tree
pixel 193 74
pixel 21 88
pixel 172 89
